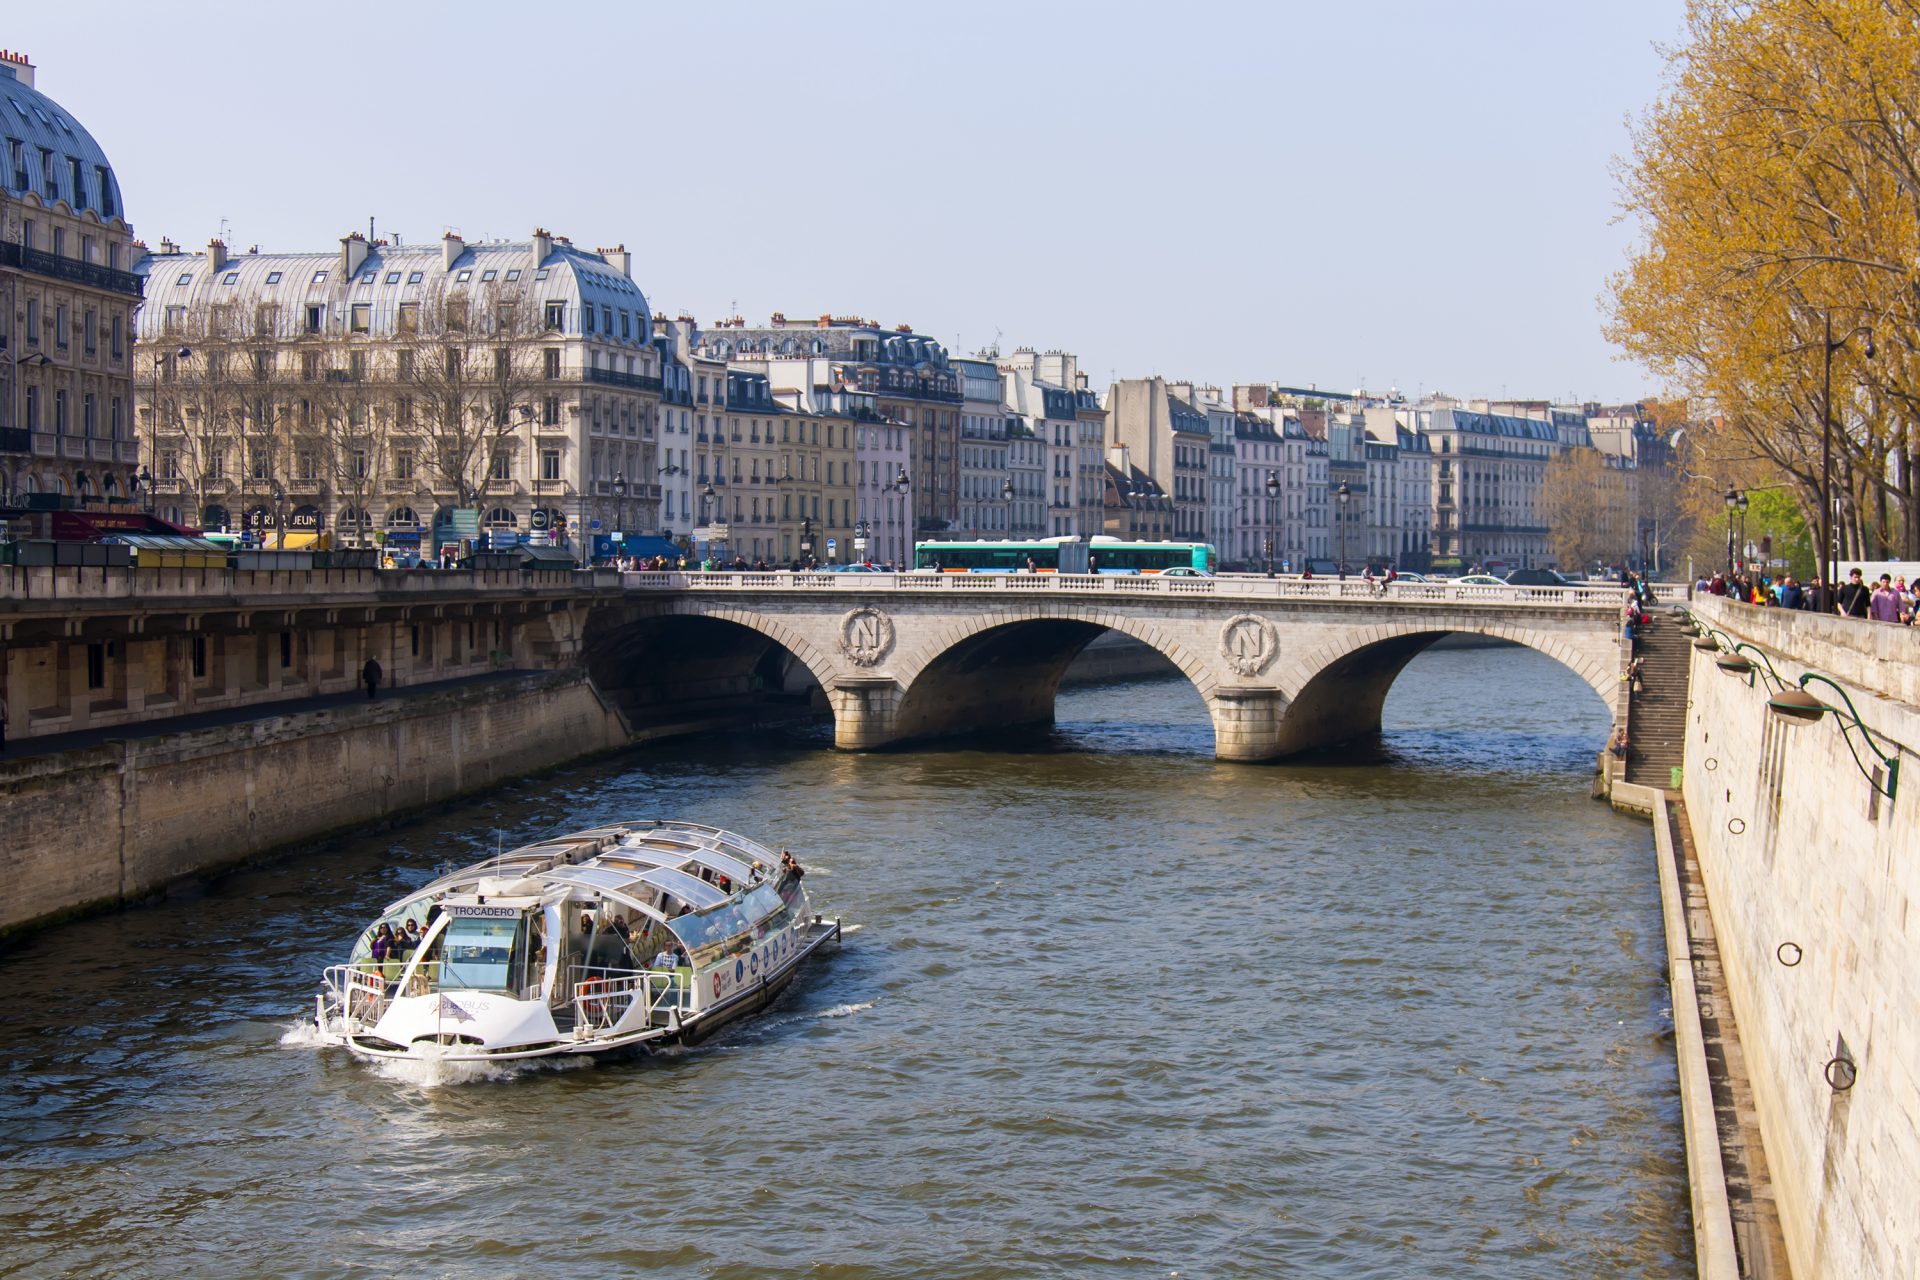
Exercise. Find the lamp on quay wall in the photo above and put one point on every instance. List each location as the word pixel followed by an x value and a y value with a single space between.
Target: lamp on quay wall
pixel 1798 706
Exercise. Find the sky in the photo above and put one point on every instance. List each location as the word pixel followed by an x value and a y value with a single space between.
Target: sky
pixel 1379 193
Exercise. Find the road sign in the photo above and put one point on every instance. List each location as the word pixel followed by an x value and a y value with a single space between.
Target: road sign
pixel 830 546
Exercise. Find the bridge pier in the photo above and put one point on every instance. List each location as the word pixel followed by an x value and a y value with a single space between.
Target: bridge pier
pixel 1247 722
pixel 864 710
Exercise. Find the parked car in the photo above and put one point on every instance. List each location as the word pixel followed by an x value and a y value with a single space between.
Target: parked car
pixel 1184 571
pixel 1478 580
pixel 1411 577
pixel 1537 578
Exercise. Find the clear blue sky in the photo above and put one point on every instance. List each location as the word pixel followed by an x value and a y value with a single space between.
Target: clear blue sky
pixel 1417 194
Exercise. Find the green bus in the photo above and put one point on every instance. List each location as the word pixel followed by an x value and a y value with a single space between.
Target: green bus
pixel 1112 555
pixel 1042 555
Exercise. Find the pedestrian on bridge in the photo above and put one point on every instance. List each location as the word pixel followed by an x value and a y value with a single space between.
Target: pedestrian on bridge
pixel 370 675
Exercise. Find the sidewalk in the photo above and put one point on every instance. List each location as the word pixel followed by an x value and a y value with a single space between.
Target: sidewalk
pixel 54 743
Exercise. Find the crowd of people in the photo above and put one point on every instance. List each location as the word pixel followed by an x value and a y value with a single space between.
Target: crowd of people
pixel 1889 599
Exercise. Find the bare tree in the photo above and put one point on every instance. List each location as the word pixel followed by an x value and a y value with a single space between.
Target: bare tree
pixel 467 361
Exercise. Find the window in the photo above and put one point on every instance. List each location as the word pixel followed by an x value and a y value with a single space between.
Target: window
pixel 393 277
pixel 513 275
pixel 586 318
pixel 556 315
pixel 319 277
pixel 117 340
pixel 463 277
pixel 89 332
pixel 550 411
pixel 487 275
pixel 549 464
pixel 402 467
pixel 186 278
pixel 313 319
pixel 273 277
pixel 541 274
pixel 502 468
pixel 414 277
pixel 60 327
pixel 97 665
pixel 361 317
pixel 232 277
pixel 199 657
pixel 89 415
pixel 552 355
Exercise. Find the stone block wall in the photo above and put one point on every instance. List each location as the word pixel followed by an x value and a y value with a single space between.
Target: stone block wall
pixel 1796 847
pixel 110 823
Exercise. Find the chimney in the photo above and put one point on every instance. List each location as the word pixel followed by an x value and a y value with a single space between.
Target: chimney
pixel 825 322
pixel 353 252
pixel 619 259
pixel 542 246
pixel 216 254
pixel 168 247
pixel 17 65
pixel 451 247
pixel 1117 457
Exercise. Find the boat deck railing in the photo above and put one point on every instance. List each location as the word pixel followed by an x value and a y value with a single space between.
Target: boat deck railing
pixel 603 996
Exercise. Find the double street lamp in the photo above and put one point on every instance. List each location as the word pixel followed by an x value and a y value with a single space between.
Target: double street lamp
pixel 1342 495
pixel 1736 504
pixel 1273 491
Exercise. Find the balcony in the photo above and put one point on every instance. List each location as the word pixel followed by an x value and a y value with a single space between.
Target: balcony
pixel 614 378
pixel 58 268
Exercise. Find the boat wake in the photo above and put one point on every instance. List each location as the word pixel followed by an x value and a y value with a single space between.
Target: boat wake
pixel 844 1010
pixel 302 1034
pixel 428 1070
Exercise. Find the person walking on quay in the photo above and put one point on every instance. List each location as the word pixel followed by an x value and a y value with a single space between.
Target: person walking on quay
pixel 370 675
pixel 1884 605
pixel 1853 597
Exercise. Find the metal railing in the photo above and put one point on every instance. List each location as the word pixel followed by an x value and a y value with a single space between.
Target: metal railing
pixel 602 997
pixel 70 269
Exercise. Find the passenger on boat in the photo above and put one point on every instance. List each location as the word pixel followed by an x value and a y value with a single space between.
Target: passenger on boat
pixel 790 868
pixel 413 935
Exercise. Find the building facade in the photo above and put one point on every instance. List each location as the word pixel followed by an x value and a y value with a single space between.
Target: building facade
pixel 909 374
pixel 985 477
pixel 1170 439
pixel 412 396
pixel 67 301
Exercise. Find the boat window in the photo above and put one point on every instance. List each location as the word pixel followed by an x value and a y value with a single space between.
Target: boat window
pixel 713 935
pixel 479 953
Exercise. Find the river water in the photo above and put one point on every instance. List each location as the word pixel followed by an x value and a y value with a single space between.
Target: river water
pixel 1107 1008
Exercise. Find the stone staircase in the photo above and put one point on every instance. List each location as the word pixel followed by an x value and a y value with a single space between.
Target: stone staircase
pixel 1657 714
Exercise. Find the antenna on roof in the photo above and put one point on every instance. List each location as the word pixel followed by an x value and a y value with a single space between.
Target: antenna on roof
pixel 369 228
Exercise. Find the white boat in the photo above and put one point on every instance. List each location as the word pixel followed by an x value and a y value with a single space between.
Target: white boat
pixel 621 936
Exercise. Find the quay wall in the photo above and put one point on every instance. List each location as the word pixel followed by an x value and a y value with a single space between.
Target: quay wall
pixel 103 825
pixel 1805 862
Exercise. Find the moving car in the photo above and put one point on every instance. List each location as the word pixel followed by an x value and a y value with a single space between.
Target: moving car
pixel 1184 571
pixel 1478 580
pixel 1537 578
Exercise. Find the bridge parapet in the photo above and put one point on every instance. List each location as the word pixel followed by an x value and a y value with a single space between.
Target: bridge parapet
pixel 1161 586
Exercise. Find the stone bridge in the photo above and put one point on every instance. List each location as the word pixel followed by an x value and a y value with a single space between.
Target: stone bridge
pixel 1283 665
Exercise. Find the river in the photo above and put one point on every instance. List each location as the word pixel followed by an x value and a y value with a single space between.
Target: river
pixel 1106 1008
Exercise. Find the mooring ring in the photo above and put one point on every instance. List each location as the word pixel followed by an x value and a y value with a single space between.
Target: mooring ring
pixel 1841 1073
pixel 1782 951
pixel 1737 825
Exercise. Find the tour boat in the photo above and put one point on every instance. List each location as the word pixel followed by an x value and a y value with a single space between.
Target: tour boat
pixel 629 935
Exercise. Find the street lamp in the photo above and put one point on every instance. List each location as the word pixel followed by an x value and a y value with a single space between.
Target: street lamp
pixel 1343 494
pixel 1734 498
pixel 1825 551
pixel 806 540
pixel 1742 506
pixel 1273 492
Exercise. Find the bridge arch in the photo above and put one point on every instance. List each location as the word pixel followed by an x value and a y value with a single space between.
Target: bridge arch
pixel 1335 692
pixel 701 663
pixel 1002 667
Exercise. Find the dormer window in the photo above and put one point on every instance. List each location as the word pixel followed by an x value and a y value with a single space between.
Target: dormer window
pixel 273 277
pixel 463 277
pixel 186 278
pixel 319 277
pixel 414 277
pixel 541 274
pixel 393 277
pixel 488 275
pixel 232 277
pixel 513 275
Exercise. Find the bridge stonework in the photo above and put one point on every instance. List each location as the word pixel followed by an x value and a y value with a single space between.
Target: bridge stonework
pixel 1279 673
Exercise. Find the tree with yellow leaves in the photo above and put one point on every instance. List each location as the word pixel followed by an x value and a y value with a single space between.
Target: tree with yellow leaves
pixel 1777 187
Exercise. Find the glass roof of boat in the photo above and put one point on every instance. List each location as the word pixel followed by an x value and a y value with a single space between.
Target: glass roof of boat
pixel 621 858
